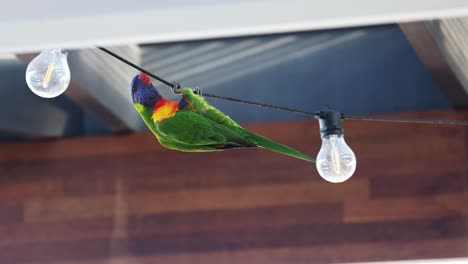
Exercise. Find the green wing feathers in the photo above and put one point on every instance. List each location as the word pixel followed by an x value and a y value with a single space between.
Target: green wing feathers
pixel 188 128
pixel 198 105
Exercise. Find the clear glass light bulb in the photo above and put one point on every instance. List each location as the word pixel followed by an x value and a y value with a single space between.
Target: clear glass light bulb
pixel 48 75
pixel 336 161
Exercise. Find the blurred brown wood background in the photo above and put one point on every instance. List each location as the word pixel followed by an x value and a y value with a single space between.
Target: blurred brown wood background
pixel 125 199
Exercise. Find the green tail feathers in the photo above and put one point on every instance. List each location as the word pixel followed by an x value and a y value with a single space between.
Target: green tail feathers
pixel 277 147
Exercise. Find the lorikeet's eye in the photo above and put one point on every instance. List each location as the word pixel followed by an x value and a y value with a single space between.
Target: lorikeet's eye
pixel 134 88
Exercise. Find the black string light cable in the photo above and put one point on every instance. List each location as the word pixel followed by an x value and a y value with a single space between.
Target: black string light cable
pixel 176 88
pixel 408 120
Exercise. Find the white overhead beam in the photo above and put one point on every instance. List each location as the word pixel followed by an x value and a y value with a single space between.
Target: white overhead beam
pixel 28 26
pixel 441 46
pixel 450 35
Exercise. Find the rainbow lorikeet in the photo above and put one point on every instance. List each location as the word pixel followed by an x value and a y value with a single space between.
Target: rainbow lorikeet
pixel 193 125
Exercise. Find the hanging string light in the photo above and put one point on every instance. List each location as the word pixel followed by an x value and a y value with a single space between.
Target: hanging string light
pixel 335 161
pixel 48 76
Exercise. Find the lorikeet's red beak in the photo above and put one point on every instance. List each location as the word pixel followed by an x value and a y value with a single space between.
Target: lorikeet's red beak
pixel 145 78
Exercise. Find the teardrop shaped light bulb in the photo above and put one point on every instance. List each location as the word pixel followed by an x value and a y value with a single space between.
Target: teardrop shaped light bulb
pixel 336 161
pixel 48 75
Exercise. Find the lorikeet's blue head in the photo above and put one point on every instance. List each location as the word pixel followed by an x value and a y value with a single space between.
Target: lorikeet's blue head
pixel 143 91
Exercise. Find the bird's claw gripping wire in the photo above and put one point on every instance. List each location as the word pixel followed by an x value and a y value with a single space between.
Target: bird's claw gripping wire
pixel 198 91
pixel 176 88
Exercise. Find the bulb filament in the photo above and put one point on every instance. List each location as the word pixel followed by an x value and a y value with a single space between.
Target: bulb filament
pixel 48 75
pixel 336 160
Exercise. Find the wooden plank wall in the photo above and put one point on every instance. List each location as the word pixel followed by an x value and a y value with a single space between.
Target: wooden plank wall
pixel 125 199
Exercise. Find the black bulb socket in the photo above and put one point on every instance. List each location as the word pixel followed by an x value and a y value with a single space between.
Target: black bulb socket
pixel 330 123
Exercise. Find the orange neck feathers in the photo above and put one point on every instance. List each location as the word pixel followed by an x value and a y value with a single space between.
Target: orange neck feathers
pixel 164 109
